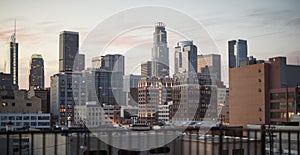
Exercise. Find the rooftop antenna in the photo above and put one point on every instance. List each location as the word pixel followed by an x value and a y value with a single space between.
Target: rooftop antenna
pixel 13 36
pixel 15 32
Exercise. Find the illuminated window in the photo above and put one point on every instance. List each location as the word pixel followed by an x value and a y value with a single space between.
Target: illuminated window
pixel 4 104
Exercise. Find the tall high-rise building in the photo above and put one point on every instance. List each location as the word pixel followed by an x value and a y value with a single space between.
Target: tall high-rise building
pixel 105 80
pixel 6 85
pixel 160 52
pixel 146 69
pixel 68 49
pixel 185 57
pixel 213 62
pixel 11 64
pixel 237 53
pixel 67 90
pixel 36 75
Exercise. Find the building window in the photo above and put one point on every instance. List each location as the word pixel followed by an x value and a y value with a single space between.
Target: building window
pixel 33 117
pixel 259 90
pixel 275 105
pixel 28 104
pixel 225 152
pixel 18 117
pixel 259 109
pixel 259 80
pixel 238 152
pixel 13 104
pixel 259 70
pixel 26 117
pixel 11 118
pixel 276 115
pixel 4 104
pixel 3 117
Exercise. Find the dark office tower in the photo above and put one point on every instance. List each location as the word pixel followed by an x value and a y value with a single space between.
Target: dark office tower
pixel 160 52
pixel 237 53
pixel 146 69
pixel 36 76
pixel 11 64
pixel 68 48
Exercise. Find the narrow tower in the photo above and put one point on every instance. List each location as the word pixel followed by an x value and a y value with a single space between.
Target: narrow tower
pixel 11 66
pixel 160 52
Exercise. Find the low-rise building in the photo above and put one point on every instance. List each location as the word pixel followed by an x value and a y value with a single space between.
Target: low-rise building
pixel 94 115
pixel 22 121
pixel 20 103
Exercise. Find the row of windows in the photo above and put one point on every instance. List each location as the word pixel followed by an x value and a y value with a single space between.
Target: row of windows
pixel 282 96
pixel 21 124
pixel 25 117
pixel 4 104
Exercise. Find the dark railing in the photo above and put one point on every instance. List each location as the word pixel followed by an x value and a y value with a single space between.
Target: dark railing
pixel 217 141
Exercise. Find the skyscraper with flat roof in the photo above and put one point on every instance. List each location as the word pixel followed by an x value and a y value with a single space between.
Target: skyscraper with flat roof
pixel 68 48
pixel 160 51
pixel 36 75
pixel 237 53
pixel 185 57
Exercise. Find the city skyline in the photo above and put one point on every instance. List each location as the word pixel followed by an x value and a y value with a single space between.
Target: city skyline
pixel 271 29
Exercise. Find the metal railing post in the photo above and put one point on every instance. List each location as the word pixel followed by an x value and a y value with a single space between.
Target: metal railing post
pixel 263 139
pixel 220 140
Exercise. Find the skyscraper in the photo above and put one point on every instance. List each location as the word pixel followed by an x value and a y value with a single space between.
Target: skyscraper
pixel 160 51
pixel 67 90
pixel 68 48
pixel 213 62
pixel 105 81
pixel 11 65
pixel 237 53
pixel 185 57
pixel 36 76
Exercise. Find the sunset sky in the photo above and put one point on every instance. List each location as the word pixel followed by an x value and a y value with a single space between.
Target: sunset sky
pixel 272 28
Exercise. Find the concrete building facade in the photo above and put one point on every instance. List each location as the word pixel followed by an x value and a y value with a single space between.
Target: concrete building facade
pixel 153 92
pixel 258 92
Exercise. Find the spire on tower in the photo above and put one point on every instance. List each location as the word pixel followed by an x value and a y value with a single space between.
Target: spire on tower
pixel 13 36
